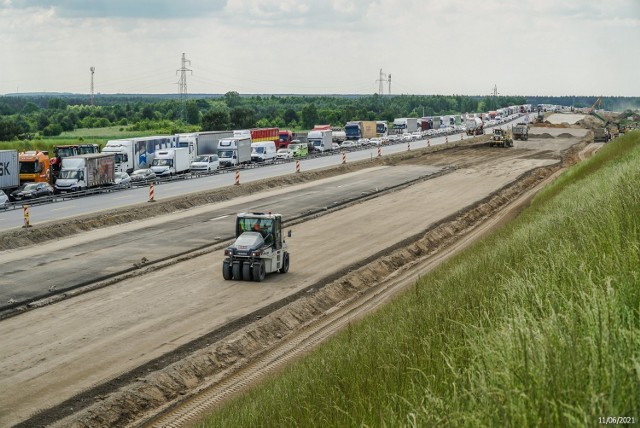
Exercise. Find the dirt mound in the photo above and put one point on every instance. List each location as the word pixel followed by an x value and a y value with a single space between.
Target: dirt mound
pixel 565 135
pixel 543 135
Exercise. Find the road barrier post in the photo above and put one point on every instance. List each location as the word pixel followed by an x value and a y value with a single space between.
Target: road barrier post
pixel 26 215
pixel 297 166
pixel 152 193
pixel 446 139
pixel 429 142
pixel 408 146
pixel 237 177
pixel 379 152
pixel 461 137
pixel 344 158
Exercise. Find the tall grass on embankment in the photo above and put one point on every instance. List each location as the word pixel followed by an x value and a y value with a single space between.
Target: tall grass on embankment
pixel 538 325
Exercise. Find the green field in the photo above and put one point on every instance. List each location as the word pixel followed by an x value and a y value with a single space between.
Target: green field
pixel 536 325
pixel 84 135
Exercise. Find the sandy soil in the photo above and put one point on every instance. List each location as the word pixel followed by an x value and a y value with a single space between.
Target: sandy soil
pixel 58 351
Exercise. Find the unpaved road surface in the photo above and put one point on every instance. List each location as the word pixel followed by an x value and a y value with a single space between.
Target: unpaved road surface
pixel 53 353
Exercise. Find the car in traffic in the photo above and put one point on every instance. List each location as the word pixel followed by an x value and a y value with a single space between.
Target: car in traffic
pixel 375 141
pixel 31 191
pixel 284 154
pixel 205 164
pixel 335 146
pixel 348 144
pixel 4 200
pixel 121 179
pixel 299 150
pixel 143 175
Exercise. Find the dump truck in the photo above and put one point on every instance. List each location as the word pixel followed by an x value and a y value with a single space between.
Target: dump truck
pixel 521 131
pixel 601 135
pixel 259 248
pixel 501 138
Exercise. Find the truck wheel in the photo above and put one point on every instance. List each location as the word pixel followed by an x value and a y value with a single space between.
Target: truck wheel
pixel 246 271
pixel 226 270
pixel 237 271
pixel 285 264
pixel 259 271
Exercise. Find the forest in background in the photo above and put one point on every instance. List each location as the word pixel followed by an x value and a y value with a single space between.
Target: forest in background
pixel 28 116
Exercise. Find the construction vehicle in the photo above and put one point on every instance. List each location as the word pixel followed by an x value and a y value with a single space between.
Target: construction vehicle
pixel 259 248
pixel 601 135
pixel 501 138
pixel 521 131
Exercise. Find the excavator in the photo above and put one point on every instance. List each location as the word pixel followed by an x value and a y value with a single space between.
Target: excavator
pixel 610 129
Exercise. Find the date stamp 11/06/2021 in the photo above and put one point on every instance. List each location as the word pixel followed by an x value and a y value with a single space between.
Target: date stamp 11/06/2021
pixel 617 420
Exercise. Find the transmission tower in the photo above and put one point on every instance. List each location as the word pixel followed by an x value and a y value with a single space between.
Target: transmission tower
pixel 183 86
pixel 381 81
pixel 495 90
pixel 91 97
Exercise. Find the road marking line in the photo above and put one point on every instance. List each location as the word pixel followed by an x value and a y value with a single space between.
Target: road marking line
pixel 218 218
pixel 63 208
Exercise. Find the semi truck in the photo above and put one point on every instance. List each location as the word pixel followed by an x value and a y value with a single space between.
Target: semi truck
pixel 320 140
pixel 285 138
pixel 34 166
pixel 84 172
pixel 205 143
pixel 135 153
pixel 360 129
pixel 170 162
pixel 405 125
pixel 234 151
pixel 9 171
pixel 474 126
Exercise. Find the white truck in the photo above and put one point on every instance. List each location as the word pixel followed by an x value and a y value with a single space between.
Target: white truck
pixel 9 170
pixel 263 151
pixel 84 172
pixel 135 153
pixel 474 126
pixel 205 142
pixel 405 125
pixel 320 140
pixel 170 162
pixel 234 151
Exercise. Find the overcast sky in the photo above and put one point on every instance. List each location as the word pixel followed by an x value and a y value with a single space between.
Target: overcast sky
pixel 537 47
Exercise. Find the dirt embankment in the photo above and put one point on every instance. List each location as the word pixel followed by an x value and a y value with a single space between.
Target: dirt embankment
pixel 137 397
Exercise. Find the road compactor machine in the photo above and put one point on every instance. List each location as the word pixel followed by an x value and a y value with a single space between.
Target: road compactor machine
pixel 259 248
pixel 501 138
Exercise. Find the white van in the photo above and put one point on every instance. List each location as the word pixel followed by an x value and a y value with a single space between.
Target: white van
pixel 205 164
pixel 264 151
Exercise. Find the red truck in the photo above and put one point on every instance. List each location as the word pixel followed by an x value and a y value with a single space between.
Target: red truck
pixel 285 139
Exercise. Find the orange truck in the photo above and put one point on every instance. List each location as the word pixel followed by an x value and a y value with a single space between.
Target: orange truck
pixel 34 166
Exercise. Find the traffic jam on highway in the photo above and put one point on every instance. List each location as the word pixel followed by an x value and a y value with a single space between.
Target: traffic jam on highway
pixel 71 171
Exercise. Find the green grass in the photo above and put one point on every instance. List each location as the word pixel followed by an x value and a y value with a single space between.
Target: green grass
pixel 84 135
pixel 537 325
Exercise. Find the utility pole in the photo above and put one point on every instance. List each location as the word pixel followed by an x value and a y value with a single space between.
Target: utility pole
pixel 389 84
pixel 183 86
pixel 91 98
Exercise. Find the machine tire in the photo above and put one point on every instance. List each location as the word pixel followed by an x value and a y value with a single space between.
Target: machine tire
pixel 237 271
pixel 226 271
pixel 246 271
pixel 285 264
pixel 259 271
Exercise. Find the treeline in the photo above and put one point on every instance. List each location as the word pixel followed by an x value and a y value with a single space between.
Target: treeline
pixel 26 117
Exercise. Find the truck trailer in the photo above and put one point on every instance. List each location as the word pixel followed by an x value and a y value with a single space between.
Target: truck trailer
pixel 320 140
pixel 135 153
pixel 205 143
pixel 360 129
pixel 85 172
pixel 9 171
